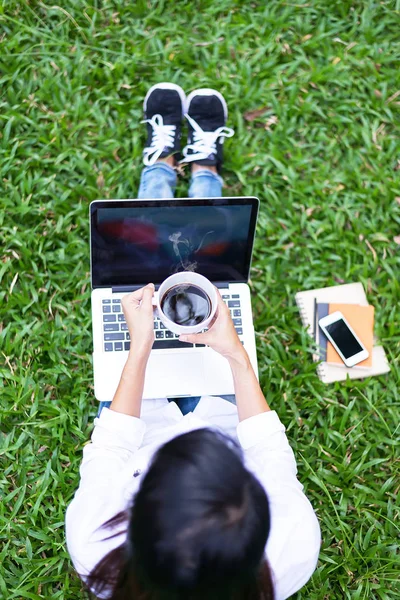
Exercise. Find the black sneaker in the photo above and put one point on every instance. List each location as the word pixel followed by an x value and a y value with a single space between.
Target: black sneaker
pixel 163 109
pixel 206 113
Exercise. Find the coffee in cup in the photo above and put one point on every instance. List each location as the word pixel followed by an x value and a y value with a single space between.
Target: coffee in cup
pixel 186 304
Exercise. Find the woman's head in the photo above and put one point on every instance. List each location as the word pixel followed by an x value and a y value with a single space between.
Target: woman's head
pixel 199 522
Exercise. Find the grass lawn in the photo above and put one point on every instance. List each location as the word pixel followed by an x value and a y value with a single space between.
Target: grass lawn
pixel 322 156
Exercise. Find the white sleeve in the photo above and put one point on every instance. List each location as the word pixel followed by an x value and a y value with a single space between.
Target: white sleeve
pixel 115 439
pixel 263 439
pixel 293 545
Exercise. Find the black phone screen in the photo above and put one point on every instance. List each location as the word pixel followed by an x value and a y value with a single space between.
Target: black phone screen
pixel 343 338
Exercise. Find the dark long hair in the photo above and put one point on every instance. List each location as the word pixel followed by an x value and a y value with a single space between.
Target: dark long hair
pixel 196 530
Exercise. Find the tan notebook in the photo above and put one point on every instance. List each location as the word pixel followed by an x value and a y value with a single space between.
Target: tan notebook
pixel 350 293
pixel 361 319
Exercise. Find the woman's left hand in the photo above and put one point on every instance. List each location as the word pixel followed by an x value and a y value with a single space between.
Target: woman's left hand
pixel 138 310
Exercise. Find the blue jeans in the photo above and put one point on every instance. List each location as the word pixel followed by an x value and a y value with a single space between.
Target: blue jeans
pixel 159 181
pixel 185 405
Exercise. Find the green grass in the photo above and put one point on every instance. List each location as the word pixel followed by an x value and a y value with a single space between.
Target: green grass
pixel 323 158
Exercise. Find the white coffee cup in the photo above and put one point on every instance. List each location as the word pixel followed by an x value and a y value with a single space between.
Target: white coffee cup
pixel 189 278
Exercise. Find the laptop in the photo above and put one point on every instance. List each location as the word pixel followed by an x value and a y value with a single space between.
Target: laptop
pixel 135 242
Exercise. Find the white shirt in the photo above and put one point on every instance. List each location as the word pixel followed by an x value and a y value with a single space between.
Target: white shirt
pixel 122 446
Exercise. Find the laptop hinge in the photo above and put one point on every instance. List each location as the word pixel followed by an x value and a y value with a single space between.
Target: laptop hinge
pixel 125 289
pixel 221 284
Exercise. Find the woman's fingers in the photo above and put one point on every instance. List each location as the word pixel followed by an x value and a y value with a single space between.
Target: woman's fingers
pixel 143 294
pixel 147 297
pixel 222 305
pixel 194 338
pixel 222 310
pixel 137 295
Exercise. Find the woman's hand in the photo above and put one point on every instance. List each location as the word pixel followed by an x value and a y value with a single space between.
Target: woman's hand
pixel 138 310
pixel 221 336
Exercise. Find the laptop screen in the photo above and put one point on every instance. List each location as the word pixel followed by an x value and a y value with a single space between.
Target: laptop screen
pixel 134 242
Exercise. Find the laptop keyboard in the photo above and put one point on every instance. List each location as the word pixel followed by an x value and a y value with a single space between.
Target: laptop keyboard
pixel 116 335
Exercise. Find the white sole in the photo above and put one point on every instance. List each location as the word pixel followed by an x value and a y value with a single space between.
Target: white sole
pixel 166 85
pixel 207 92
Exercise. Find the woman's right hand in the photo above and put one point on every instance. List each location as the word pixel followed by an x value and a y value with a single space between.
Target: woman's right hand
pixel 221 336
pixel 138 310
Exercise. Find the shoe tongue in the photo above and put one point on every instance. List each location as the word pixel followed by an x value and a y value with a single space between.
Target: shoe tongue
pixel 170 117
pixel 208 124
pixel 207 113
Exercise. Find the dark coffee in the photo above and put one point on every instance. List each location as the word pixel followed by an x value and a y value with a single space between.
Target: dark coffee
pixel 186 304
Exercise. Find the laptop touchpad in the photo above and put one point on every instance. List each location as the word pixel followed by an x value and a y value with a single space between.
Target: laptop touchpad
pixel 176 371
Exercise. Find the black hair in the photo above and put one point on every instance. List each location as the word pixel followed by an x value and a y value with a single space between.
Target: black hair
pixel 197 528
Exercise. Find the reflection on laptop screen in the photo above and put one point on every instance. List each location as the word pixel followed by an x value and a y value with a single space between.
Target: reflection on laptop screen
pixel 135 245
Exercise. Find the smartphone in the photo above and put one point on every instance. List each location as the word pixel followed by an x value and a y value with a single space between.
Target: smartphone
pixel 343 339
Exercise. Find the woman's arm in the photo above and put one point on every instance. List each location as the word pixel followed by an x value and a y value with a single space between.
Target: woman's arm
pixel 117 435
pixel 118 432
pixel 138 311
pixel 295 534
pixel 128 397
pixel 249 398
pixel 222 337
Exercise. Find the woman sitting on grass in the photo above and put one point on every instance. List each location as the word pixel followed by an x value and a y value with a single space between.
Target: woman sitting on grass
pixel 200 516
pixel 195 499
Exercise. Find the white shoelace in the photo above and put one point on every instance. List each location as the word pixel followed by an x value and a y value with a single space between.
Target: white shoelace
pixel 163 137
pixel 204 142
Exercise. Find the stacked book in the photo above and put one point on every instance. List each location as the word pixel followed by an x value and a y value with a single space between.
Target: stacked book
pixel 351 301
